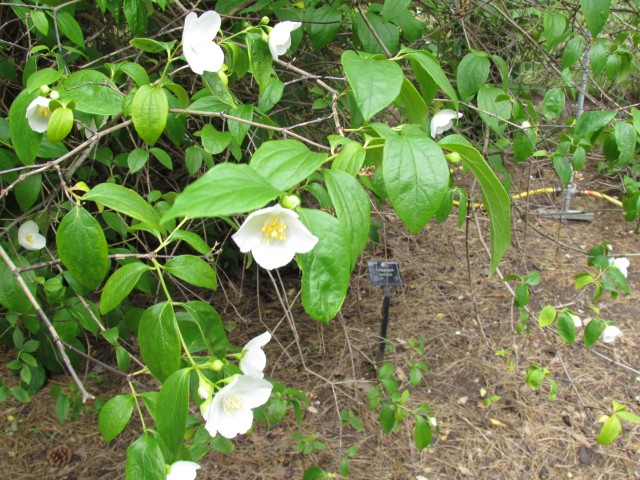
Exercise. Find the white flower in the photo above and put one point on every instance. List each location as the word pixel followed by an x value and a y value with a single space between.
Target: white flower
pixel 29 236
pixel 274 235
pixel 229 414
pixel 577 322
pixel 621 264
pixel 183 470
pixel 280 38
pixel 442 121
pixel 525 125
pixel 38 114
pixel 254 359
pixel 610 333
pixel 201 52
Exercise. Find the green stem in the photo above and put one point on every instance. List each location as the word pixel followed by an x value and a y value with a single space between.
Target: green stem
pixel 135 399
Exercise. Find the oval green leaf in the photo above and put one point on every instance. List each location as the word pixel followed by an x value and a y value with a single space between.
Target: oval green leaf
pixel 120 285
pixel 159 340
pixel 193 270
pixel 149 112
pixel 115 416
pixel 82 248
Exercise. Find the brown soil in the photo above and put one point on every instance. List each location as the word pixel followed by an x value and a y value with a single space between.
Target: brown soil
pixel 465 319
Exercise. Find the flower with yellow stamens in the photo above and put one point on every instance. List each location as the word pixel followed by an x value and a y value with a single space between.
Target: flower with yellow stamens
pixel 274 235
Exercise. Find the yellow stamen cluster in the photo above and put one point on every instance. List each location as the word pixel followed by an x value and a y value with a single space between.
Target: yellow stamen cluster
pixel 233 404
pixel 274 229
pixel 43 111
pixel 29 238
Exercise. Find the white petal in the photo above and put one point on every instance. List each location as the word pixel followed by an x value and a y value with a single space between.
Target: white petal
pixel 621 263
pixel 189 27
pixel 183 470
pixel 577 322
pixel 253 362
pixel 299 236
pixel 38 121
pixel 273 255
pixel 259 341
pixel 38 242
pixel 254 391
pixel 204 58
pixel 280 38
pixel 443 121
pixel 238 423
pixel 208 25
pixel 249 235
pixel 610 333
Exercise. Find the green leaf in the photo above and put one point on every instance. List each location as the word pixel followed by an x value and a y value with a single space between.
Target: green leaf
pixel 472 73
pixel 226 189
pixel 325 269
pixel 416 177
pixel 553 103
pixel 422 434
pixel 596 13
pixel 82 248
pixel 592 121
pixel 40 21
pixel 120 284
pixel 124 200
pixel 194 240
pixel 491 100
pixel 172 409
pixel 566 328
pixel 46 76
pixel 93 93
pixel 271 95
pixel 204 329
pixel 387 32
pixel 145 460
pixel 285 163
pixel 555 24
pixel 572 51
pixel 136 72
pixel 137 159
pixel 350 158
pixel 115 416
pixel 193 270
pixel 579 158
pixel 414 105
pixel 150 45
pixel 547 316
pixel 523 147
pixel 27 191
pixel 260 60
pixel 387 418
pixel 60 124
pixel 25 141
pixel 70 28
pixel 62 408
pixel 629 417
pixel 149 112
pixel 424 63
pixel 314 473
pixel 238 129
pixel 598 57
pixel 393 8
pixel 322 24
pixel 610 431
pixel 219 90
pixel 494 196
pixel 375 83
pixel 136 15
pixel 352 208
pixel 162 156
pixel 626 138
pixel 159 340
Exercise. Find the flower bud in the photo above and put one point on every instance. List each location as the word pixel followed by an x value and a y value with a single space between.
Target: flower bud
pixel 453 157
pixel 223 78
pixel 264 21
pixel 217 365
pixel 290 201
pixel 44 90
pixel 54 95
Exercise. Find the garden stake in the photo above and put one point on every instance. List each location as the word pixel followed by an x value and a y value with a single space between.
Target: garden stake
pixel 384 274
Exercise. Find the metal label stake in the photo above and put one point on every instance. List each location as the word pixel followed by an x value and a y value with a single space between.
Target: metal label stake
pixel 384 274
